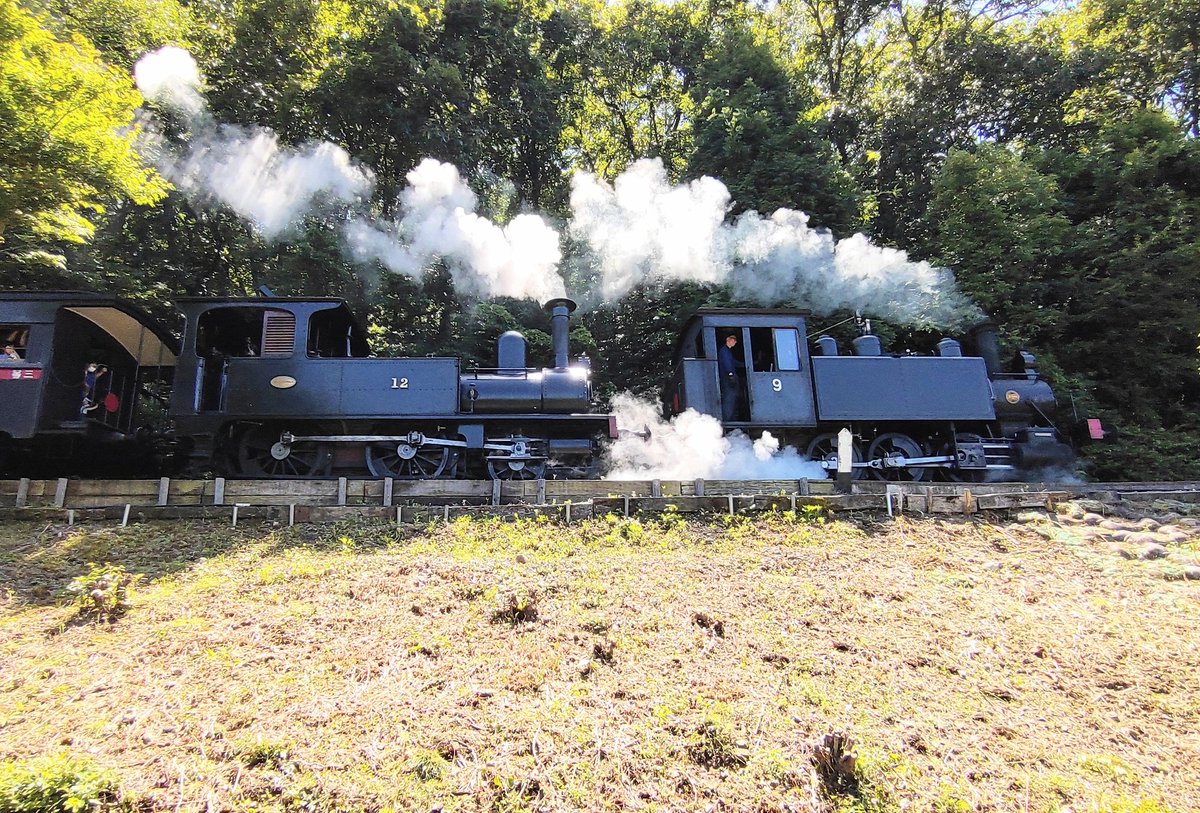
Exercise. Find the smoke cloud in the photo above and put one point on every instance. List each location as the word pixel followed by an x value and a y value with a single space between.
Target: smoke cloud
pixel 439 221
pixel 692 445
pixel 171 77
pixel 271 185
pixel 642 228
pixel 639 229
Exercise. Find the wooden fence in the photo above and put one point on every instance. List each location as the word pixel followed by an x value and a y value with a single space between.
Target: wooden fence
pixel 294 501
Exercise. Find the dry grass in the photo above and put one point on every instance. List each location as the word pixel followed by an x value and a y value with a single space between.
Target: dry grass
pixel 609 666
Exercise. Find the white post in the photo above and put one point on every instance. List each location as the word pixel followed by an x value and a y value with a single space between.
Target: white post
pixel 845 460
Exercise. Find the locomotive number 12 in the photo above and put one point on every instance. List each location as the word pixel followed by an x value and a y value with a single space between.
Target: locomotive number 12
pixel 399 383
pixel 776 385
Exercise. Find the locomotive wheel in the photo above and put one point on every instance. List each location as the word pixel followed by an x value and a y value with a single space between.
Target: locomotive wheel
pixel 261 454
pixel 894 444
pixel 824 447
pixel 407 462
pixel 517 469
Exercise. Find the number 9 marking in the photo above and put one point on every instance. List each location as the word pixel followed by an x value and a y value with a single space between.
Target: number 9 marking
pixel 776 385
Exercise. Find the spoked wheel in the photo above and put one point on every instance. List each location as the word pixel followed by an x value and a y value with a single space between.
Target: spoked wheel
pixel 824 447
pixel 517 469
pixel 261 453
pixel 405 461
pixel 893 445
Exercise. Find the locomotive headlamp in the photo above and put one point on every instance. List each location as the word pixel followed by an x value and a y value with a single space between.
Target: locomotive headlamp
pixel 283 382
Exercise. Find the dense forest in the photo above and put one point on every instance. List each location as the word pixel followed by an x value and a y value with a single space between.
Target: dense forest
pixel 1046 154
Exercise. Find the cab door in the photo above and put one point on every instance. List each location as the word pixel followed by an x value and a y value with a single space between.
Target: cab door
pixel 778 378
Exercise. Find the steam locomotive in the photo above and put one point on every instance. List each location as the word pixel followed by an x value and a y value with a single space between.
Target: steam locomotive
pixel 284 387
pixel 952 415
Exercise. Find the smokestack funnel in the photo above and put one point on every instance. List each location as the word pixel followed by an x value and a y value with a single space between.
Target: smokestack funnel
pixel 987 344
pixel 560 317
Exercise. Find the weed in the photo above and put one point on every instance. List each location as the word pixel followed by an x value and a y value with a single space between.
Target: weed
pixel 56 784
pixel 712 744
pixel 427 765
pixel 1109 766
pixel 834 759
pixel 517 607
pixel 260 753
pixel 103 592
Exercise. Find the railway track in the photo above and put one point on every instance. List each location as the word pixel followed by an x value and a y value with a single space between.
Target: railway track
pixel 295 501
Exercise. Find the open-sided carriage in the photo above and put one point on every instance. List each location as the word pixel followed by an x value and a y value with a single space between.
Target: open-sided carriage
pixel 83 383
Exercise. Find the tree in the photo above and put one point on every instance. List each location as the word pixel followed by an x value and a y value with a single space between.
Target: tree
pixel 1138 53
pixel 639 64
pixel 122 30
pixel 66 141
pixel 998 222
pixel 752 129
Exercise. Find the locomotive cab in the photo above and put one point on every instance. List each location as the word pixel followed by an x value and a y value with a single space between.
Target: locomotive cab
pixel 774 388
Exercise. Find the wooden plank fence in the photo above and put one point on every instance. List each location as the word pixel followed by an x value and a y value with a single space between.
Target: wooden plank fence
pixel 405 501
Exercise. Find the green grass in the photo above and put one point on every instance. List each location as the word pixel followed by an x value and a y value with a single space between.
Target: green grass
pixel 659 663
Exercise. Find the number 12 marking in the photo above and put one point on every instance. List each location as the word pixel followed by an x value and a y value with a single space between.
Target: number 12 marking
pixel 399 383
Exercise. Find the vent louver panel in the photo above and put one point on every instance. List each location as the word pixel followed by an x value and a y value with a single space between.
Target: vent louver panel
pixel 279 333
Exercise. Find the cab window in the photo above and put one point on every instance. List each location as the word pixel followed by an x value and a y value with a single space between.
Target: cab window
pixel 787 349
pixel 774 349
pixel 14 342
pixel 242 332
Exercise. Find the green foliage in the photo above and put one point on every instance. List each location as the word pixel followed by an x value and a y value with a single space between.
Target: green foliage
pixel 66 139
pixel 751 129
pixel 122 30
pixel 103 592
pixel 56 784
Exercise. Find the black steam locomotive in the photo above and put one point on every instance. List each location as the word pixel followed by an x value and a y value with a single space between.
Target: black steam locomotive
pixel 286 387
pixel 280 387
pixel 961 417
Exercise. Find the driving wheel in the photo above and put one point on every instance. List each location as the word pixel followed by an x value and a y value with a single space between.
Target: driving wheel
pixel 261 453
pixel 824 448
pixel 405 461
pixel 893 445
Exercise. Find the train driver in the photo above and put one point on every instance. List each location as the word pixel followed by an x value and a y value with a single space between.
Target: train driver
pixel 730 369
pixel 10 353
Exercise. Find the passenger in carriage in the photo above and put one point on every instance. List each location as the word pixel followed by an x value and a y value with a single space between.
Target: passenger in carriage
pixel 91 375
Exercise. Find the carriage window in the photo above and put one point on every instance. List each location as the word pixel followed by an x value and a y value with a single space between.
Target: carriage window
pixel 14 340
pixel 245 332
pixel 787 349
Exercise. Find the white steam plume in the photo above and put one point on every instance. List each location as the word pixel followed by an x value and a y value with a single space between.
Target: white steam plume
pixel 171 77
pixel 246 168
pixel 642 228
pixel 692 445
pixel 438 221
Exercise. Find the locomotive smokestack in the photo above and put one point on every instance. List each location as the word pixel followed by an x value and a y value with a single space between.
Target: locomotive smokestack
pixel 560 317
pixel 987 344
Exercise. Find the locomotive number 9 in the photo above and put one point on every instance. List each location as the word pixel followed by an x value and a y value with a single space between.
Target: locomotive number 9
pixel 776 385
